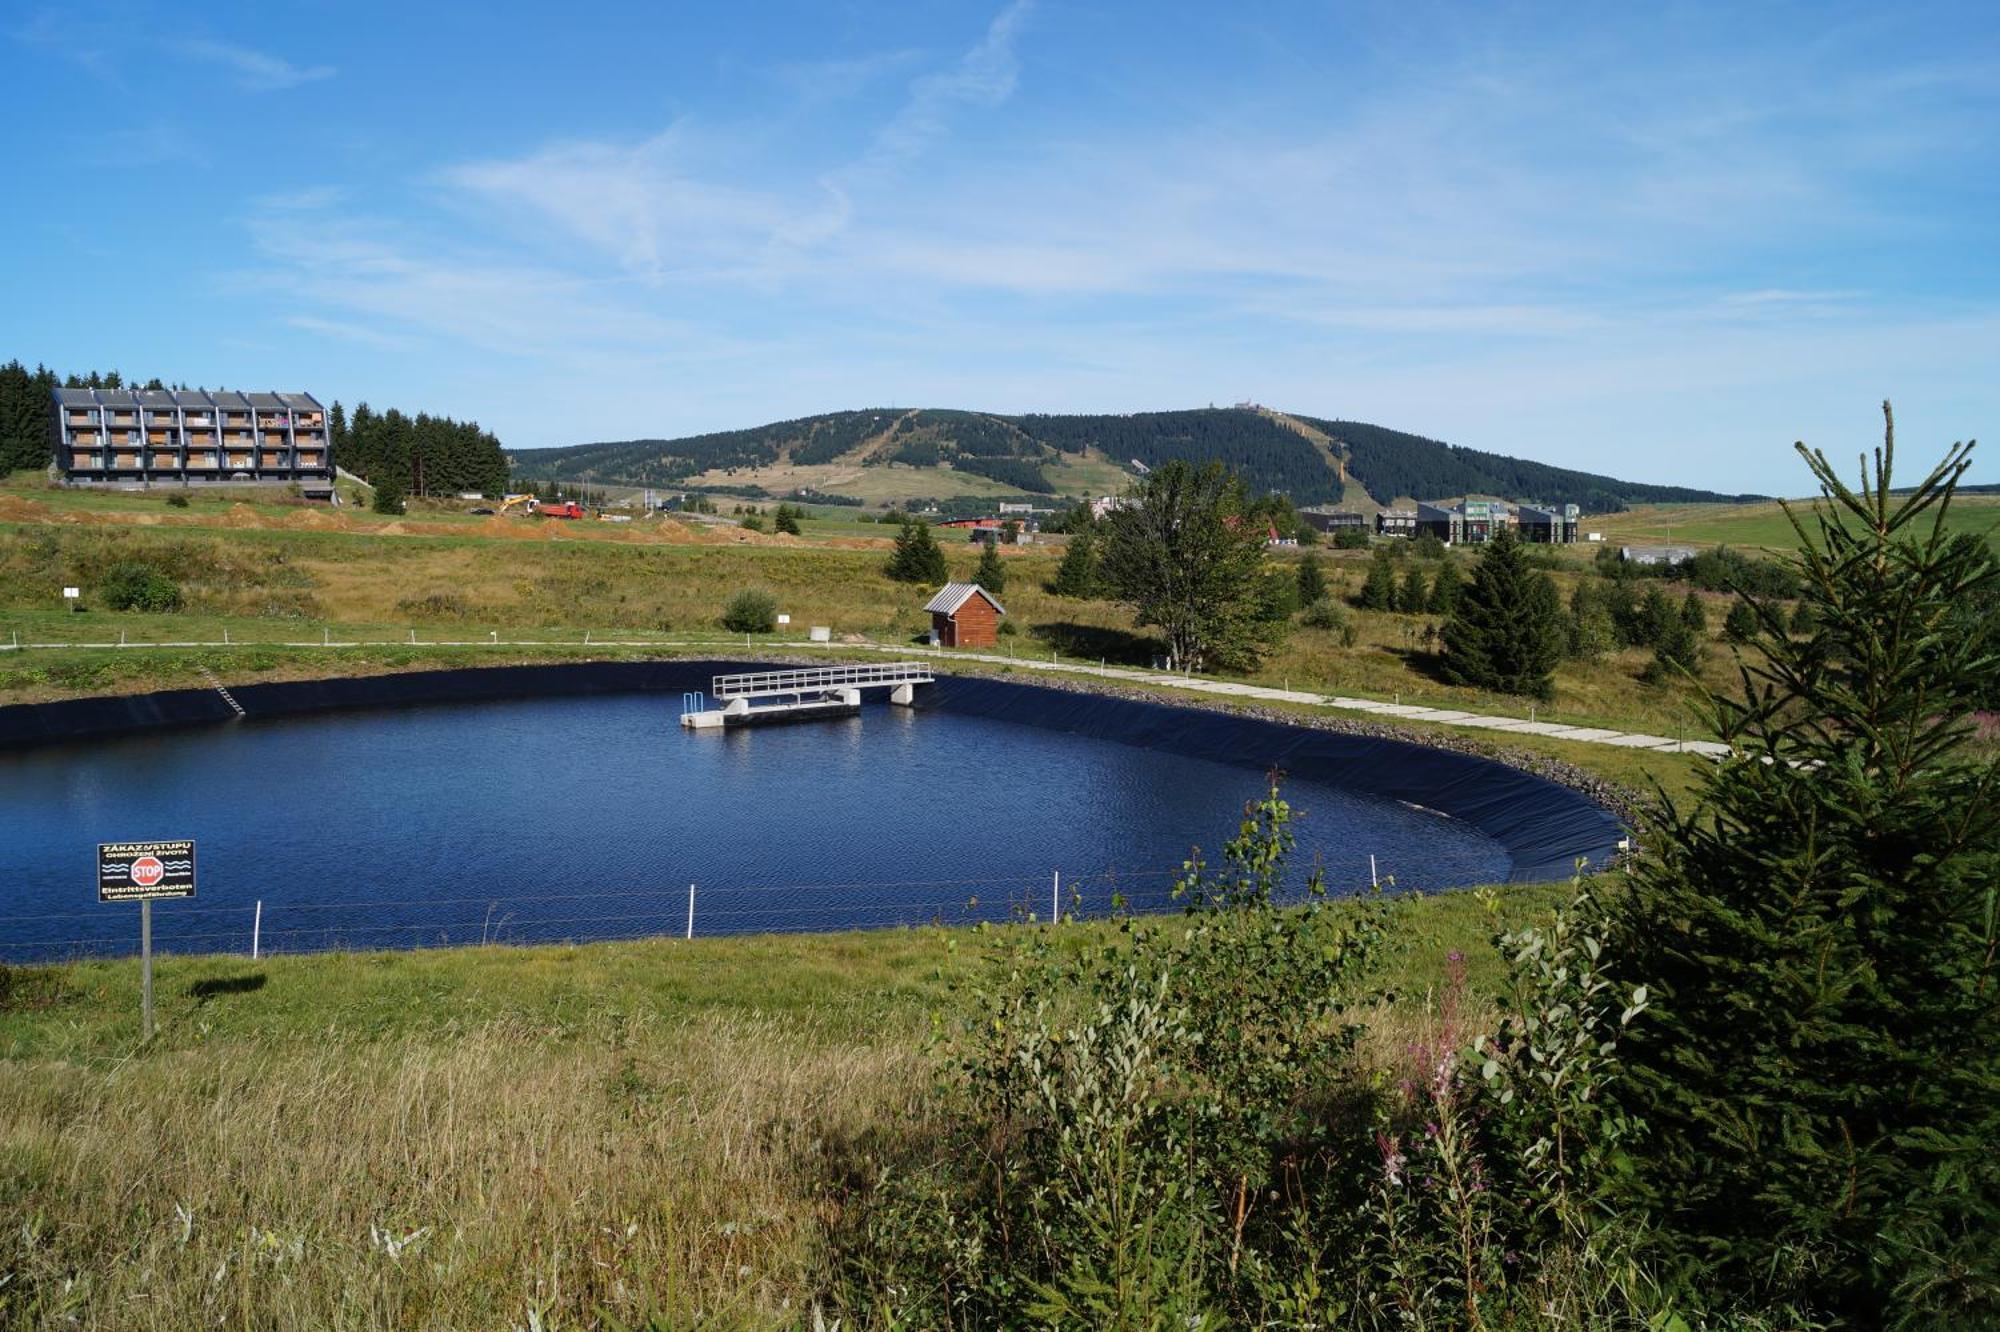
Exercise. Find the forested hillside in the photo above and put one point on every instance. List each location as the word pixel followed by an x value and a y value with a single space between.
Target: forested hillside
pixel 424 454
pixel 1012 450
pixel 1391 463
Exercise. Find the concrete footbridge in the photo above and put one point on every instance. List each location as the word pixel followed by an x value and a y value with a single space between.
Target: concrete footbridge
pixel 800 694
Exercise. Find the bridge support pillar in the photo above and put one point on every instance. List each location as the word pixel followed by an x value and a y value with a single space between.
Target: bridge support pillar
pixel 904 694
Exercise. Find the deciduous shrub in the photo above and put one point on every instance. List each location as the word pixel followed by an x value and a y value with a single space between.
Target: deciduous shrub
pixel 751 611
pixel 137 586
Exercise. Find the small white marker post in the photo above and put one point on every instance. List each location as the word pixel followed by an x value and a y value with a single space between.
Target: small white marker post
pixel 1373 882
pixel 257 929
pixel 1055 900
pixel 690 933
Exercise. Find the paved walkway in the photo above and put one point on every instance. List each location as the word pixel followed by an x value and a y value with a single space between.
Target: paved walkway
pixel 1402 711
pixel 1161 679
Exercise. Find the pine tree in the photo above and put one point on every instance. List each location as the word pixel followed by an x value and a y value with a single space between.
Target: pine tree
pixel 1445 589
pixel 1378 593
pixel 1652 619
pixel 1412 597
pixel 389 496
pixel 1694 616
pixel 785 520
pixel 1076 576
pixel 1507 633
pixel 1741 624
pixel 1818 1070
pixel 991 574
pixel 1312 580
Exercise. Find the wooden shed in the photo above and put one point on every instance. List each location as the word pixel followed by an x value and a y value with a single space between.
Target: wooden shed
pixel 965 615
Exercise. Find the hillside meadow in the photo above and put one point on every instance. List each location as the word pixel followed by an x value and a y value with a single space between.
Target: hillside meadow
pixel 497 1137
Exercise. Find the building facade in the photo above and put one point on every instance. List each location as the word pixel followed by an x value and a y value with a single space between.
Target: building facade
pixel 180 437
pixel 965 615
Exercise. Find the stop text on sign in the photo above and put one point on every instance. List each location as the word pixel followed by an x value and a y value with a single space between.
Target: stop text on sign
pixel 135 871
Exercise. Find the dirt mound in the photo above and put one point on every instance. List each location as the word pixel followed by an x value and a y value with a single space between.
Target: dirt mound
pixel 14 509
pixel 315 520
pixel 242 515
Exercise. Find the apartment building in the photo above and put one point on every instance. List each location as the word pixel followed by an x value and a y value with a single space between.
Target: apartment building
pixel 177 436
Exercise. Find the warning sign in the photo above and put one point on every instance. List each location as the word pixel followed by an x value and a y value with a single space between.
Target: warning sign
pixel 133 871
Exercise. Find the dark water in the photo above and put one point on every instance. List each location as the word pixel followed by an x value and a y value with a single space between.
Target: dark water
pixel 579 818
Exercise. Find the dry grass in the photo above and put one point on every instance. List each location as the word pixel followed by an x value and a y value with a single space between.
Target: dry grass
pixel 502 1178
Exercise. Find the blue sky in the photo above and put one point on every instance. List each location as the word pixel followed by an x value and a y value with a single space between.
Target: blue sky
pixel 1661 241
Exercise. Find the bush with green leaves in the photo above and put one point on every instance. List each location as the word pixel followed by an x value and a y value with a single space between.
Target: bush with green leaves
pixel 1130 1120
pixel 134 585
pixel 389 496
pixel 1330 615
pixel 751 611
pixel 1819 1072
pixel 177 500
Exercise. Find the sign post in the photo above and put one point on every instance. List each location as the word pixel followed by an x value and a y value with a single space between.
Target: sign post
pixel 139 872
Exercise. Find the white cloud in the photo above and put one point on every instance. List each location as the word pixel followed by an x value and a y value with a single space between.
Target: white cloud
pixel 255 71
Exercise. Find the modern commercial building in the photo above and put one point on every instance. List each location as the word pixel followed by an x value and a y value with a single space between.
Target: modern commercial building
pixel 178 437
pixel 1547 523
pixel 1331 521
pixel 1474 522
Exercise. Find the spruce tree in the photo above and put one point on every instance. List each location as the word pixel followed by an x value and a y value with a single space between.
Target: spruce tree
pixel 1076 576
pixel 1378 593
pixel 786 520
pixel 1740 626
pixel 1653 618
pixel 1312 579
pixel 1818 1070
pixel 991 574
pixel 927 559
pixel 1507 633
pixel 1413 596
pixel 1694 616
pixel 1445 588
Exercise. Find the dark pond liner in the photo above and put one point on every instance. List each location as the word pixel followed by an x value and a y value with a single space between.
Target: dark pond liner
pixel 1546 828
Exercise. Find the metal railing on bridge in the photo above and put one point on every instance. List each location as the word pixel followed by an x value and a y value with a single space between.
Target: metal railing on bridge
pixel 813 678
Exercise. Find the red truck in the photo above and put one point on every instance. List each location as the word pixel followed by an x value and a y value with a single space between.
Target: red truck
pixel 567 509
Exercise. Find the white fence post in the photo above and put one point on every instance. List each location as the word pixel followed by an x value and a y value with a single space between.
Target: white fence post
pixel 1373 882
pixel 690 933
pixel 1055 900
pixel 257 930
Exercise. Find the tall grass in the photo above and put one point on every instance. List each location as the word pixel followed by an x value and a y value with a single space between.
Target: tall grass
pixel 660 1170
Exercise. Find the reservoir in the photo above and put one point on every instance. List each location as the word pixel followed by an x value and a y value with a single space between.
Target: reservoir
pixel 588 817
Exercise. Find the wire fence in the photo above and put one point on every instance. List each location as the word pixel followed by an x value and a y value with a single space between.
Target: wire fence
pixel 267 926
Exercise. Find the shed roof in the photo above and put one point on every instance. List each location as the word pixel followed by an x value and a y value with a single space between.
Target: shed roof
pixel 954 595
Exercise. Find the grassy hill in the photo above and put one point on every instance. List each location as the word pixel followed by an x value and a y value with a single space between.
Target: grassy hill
pixel 888 455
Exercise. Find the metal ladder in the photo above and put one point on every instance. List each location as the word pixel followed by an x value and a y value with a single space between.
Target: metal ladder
pixel 217 685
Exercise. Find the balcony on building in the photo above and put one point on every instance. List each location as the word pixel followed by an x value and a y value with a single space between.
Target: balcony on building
pixel 201 462
pixel 86 462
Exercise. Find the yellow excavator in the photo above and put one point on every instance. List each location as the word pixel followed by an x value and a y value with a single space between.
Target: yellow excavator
pixel 512 502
